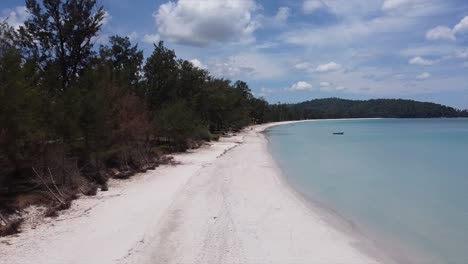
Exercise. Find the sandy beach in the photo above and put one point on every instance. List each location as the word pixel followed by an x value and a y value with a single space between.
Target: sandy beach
pixel 225 203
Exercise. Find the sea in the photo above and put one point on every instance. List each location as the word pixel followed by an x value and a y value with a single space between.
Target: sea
pixel 402 183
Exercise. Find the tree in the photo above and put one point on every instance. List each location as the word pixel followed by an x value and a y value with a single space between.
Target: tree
pixel 124 59
pixel 190 82
pixel 161 72
pixel 20 123
pixel 60 33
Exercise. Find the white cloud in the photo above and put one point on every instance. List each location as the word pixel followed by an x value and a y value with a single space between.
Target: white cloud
pixel 329 67
pixel 352 31
pixel 151 38
pixel 106 18
pixel 282 15
pixel 203 22
pixel 15 17
pixel 230 70
pixel 340 88
pixel 303 66
pixel 390 5
pixel 413 7
pixel 446 33
pixel 101 39
pixel 300 86
pixel 430 50
pixel 264 91
pixel 440 33
pixel 198 63
pixel 423 76
pixel 462 26
pixel 461 54
pixel 399 76
pixel 249 65
pixel 421 61
pixel 330 87
pixel 311 6
pixel 133 36
pixel 323 68
pixel 358 22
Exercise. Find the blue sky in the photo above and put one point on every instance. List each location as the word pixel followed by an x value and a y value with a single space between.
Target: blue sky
pixel 292 51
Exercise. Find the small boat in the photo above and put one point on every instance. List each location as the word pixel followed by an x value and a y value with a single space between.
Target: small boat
pixel 338 133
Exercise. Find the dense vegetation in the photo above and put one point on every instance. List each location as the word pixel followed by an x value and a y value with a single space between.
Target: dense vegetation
pixel 385 108
pixel 73 114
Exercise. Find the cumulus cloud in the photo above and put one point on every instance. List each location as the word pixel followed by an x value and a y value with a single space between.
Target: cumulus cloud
pixel 423 76
pixel 311 6
pixel 329 67
pixel 282 15
pixel 440 33
pixel 421 61
pixel 462 26
pixel 15 17
pixel 300 86
pixel 151 38
pixel 202 22
pixel 198 63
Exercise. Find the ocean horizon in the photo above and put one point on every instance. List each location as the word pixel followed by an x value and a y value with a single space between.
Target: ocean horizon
pixel 401 183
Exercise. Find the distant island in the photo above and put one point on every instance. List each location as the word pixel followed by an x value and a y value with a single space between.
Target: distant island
pixel 374 108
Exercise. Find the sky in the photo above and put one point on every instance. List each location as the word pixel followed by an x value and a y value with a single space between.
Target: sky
pixel 297 50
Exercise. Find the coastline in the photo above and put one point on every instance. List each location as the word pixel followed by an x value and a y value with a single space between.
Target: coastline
pixel 361 240
pixel 226 203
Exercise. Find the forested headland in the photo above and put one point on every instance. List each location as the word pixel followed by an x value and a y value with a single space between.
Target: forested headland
pixel 74 113
pixel 375 108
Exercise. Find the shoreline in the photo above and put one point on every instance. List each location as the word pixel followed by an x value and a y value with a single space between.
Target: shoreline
pixel 362 242
pixel 226 203
pixel 387 250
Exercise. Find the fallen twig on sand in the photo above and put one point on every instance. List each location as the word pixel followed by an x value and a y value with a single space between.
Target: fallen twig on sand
pixel 47 186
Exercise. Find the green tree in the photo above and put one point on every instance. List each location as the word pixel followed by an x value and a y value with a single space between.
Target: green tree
pixel 59 34
pixel 20 123
pixel 124 59
pixel 161 73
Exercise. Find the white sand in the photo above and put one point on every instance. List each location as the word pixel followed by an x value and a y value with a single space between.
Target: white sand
pixel 217 207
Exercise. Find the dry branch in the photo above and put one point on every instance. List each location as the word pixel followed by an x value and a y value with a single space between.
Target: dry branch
pixel 47 186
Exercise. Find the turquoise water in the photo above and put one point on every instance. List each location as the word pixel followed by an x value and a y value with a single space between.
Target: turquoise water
pixel 402 182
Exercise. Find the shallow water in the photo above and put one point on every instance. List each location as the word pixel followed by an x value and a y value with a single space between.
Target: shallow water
pixel 403 182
